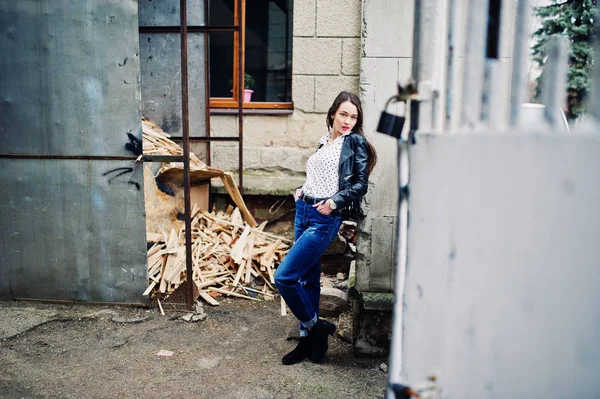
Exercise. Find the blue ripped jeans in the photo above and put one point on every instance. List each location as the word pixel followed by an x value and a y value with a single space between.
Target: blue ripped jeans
pixel 298 277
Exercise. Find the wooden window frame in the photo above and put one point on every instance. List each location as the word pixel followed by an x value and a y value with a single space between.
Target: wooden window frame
pixel 233 102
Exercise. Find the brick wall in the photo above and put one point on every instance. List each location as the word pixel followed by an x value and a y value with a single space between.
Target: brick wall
pixel 326 56
pixel 326 60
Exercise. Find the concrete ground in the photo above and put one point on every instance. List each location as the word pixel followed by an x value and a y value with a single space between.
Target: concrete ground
pixel 87 351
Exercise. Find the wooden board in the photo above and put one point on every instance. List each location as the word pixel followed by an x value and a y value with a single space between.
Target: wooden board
pixel 224 254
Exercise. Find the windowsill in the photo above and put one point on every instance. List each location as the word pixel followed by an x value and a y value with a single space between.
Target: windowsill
pixel 251 111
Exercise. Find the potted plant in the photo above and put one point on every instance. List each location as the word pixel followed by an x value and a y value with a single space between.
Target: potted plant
pixel 248 85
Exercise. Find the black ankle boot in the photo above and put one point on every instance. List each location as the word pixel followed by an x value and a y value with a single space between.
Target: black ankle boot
pixel 318 336
pixel 299 353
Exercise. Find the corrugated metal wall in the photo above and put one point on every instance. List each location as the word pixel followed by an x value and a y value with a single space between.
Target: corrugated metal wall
pixel 72 227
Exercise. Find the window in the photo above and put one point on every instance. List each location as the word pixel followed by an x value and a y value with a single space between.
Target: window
pixel 267 53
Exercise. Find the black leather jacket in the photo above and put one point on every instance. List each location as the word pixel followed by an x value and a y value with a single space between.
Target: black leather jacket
pixel 354 173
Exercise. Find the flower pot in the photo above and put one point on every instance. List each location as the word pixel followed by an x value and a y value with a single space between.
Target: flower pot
pixel 248 95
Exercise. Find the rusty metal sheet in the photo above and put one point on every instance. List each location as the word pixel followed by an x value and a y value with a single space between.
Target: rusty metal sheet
pixel 160 66
pixel 69 74
pixel 72 230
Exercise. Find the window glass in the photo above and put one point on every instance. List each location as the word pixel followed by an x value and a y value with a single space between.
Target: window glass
pixel 267 59
pixel 221 64
pixel 221 12
pixel 268 52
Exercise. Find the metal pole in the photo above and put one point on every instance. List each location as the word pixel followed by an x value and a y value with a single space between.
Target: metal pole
pixel 474 62
pixel 424 60
pixel 420 117
pixel 450 66
pixel 240 97
pixel 555 81
pixel 207 80
pixel 517 90
pixel 186 152
pixel 395 375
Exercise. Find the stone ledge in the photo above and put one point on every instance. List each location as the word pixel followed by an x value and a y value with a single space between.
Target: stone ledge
pixel 262 185
pixel 380 301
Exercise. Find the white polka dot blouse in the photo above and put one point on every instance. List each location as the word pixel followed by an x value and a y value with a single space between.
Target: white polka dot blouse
pixel 322 168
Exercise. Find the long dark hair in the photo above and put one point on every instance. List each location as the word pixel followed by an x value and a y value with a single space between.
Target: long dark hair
pixel 353 98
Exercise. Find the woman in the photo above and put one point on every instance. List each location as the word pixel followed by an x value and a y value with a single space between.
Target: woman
pixel 336 178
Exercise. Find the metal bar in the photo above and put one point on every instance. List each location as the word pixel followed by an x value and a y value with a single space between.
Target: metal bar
pixel 555 81
pixel 492 88
pixel 191 29
pixel 450 65
pixel 84 157
pixel 395 375
pixel 417 71
pixel 254 108
pixel 287 51
pixel 186 151
pixel 473 74
pixel 240 99
pixel 595 78
pixel 424 60
pixel 456 31
pixel 518 84
pixel 207 80
pixel 422 37
pixel 207 139
pixel 210 138
pixel 162 158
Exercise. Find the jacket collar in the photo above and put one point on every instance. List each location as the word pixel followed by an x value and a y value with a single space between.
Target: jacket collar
pixel 347 151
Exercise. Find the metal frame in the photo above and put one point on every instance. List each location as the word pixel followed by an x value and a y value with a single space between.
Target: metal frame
pixel 183 29
pixel 84 157
pixel 207 29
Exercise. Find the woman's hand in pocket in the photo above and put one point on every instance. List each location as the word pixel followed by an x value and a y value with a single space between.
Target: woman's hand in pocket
pixel 297 193
pixel 323 207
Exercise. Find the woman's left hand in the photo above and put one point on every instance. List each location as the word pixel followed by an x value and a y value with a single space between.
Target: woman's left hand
pixel 323 207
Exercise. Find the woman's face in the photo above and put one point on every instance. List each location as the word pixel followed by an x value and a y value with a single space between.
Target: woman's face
pixel 344 118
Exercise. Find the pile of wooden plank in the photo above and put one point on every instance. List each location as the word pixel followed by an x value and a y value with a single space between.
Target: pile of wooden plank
pixel 229 257
pixel 156 142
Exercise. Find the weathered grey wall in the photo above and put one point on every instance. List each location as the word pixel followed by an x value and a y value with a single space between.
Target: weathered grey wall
pixel 386 58
pixel 160 65
pixel 67 233
pixel 501 296
pixel 69 85
pixel 69 76
pixel 387 51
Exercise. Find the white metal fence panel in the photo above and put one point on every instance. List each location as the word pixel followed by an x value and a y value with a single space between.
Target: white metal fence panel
pixel 496 291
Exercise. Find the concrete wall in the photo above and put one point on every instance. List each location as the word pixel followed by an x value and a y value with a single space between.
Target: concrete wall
pixel 386 58
pixel 387 37
pixel 501 296
pixel 326 57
